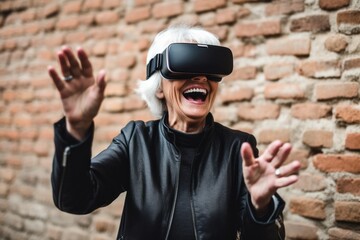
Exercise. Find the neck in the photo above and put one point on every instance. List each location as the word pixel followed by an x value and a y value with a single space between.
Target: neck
pixel 187 126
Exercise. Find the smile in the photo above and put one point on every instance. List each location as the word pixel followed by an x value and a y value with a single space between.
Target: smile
pixel 195 94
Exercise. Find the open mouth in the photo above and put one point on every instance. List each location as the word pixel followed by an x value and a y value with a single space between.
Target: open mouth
pixel 195 94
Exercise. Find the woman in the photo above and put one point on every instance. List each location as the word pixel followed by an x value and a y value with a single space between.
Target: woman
pixel 186 176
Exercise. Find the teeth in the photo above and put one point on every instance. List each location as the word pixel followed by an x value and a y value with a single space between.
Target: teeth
pixel 198 90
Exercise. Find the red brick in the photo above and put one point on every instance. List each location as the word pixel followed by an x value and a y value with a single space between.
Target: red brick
pixel 351 63
pixel 68 23
pixel 352 141
pixel 133 102
pixel 167 9
pixel 326 91
pixel 253 112
pixel 301 230
pixel 348 113
pixel 225 16
pixel 49 24
pixel 258 28
pixel 336 43
pixel 347 211
pixel 333 4
pixel 11 31
pixel 205 5
pixel 91 5
pixel 308 207
pixel 76 37
pixel 284 7
pixel 127 60
pixel 283 91
pixel 87 19
pixel 318 138
pixel 339 234
pixel 234 94
pixel 310 183
pixel 72 7
pixel 348 17
pixel 300 155
pixel 242 73
pixel 220 31
pixel 299 46
pixel 111 4
pixel 13 161
pixel 348 185
pixel 137 14
pixel 269 135
pixel 145 2
pixel 319 68
pixel 247 1
pixel 107 17
pixel 50 10
pixel 312 23
pixel 337 163
pixel 274 71
pixel 115 89
pixel 32 28
pixel 348 21
pixel 225 114
pixel 310 110
pixel 28 15
pixel 243 12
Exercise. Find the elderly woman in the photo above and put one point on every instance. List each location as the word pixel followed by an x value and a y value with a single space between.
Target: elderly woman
pixel 185 175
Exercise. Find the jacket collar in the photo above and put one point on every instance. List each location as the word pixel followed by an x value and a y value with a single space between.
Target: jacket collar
pixel 169 135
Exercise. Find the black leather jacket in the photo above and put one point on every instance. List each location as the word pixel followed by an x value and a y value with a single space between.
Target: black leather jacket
pixel 143 160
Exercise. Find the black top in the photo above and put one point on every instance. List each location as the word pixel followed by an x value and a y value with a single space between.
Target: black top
pixel 183 225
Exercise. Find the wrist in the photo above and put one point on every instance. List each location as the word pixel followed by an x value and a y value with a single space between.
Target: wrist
pixel 78 130
pixel 261 209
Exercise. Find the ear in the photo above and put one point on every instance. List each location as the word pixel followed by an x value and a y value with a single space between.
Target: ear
pixel 160 94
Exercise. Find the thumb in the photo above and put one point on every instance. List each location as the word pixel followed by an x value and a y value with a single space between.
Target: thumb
pixel 100 80
pixel 247 154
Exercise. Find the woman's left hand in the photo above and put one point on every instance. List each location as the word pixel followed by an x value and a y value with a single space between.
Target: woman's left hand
pixel 265 174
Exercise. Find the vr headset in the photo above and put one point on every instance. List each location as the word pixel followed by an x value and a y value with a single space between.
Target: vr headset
pixel 188 60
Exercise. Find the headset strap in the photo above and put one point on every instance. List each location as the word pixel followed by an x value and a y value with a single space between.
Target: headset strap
pixel 154 65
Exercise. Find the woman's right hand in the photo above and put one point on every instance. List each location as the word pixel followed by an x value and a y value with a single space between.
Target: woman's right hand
pixel 82 95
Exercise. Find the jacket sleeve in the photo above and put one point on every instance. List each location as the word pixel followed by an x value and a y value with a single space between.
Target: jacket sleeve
pixel 81 184
pixel 269 227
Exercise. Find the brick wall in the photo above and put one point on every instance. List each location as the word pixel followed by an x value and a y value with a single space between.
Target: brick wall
pixel 296 78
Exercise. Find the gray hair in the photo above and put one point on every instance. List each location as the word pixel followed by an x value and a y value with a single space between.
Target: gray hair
pixel 147 88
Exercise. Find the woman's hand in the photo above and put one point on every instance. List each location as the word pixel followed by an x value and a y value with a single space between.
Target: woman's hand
pixel 265 174
pixel 81 94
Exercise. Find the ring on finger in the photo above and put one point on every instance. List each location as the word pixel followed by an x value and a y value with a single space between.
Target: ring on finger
pixel 68 78
pixel 278 172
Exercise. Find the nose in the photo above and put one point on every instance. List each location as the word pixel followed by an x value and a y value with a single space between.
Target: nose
pixel 200 78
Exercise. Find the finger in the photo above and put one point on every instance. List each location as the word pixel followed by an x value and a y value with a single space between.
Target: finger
pixel 64 65
pixel 56 79
pixel 272 150
pixel 282 155
pixel 74 64
pixel 86 66
pixel 101 82
pixel 247 154
pixel 286 181
pixel 291 168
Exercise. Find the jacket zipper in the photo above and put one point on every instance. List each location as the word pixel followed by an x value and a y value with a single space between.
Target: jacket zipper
pixel 175 200
pixel 63 164
pixel 191 199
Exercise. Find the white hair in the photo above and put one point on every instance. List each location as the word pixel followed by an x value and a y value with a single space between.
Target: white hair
pixel 147 88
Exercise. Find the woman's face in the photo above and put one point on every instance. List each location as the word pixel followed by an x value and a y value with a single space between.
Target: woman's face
pixel 188 101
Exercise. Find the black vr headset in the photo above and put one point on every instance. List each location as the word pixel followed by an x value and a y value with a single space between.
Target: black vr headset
pixel 188 60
